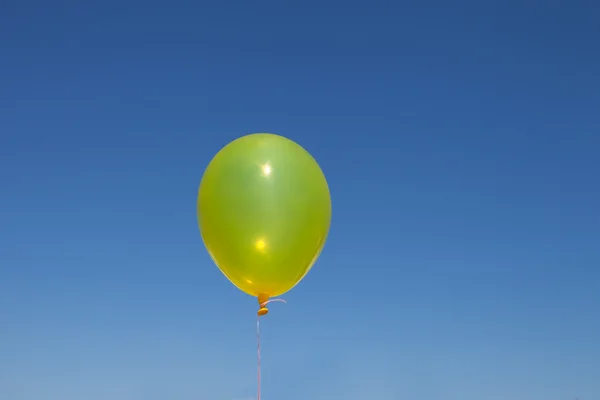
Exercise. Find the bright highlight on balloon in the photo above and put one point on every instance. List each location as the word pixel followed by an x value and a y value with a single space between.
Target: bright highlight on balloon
pixel 266 170
pixel 260 245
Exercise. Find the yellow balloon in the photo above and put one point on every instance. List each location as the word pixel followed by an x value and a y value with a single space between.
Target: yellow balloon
pixel 264 212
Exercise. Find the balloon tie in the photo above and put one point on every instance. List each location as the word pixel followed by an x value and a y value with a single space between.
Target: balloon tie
pixel 262 301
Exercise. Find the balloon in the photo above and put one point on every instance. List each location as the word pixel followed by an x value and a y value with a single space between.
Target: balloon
pixel 264 212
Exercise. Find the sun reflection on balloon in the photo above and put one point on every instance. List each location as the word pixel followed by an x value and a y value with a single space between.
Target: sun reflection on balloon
pixel 266 169
pixel 260 245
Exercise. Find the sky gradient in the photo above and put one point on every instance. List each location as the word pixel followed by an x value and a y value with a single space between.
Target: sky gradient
pixel 462 148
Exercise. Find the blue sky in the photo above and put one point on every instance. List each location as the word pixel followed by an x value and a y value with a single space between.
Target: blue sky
pixel 461 146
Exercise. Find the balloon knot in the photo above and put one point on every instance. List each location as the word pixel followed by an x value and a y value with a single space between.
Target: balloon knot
pixel 263 300
pixel 263 311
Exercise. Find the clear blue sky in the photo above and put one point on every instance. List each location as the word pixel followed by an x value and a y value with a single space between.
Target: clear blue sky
pixel 462 147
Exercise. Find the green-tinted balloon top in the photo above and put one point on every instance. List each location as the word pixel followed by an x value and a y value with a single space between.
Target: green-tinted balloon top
pixel 264 212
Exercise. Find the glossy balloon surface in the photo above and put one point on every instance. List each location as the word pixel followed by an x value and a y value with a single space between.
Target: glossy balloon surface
pixel 264 212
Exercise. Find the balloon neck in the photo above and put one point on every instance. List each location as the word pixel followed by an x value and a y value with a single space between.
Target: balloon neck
pixel 263 299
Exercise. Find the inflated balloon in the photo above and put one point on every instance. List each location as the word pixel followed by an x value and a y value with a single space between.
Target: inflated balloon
pixel 264 211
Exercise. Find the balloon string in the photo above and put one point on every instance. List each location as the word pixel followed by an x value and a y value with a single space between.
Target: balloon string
pixel 258 342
